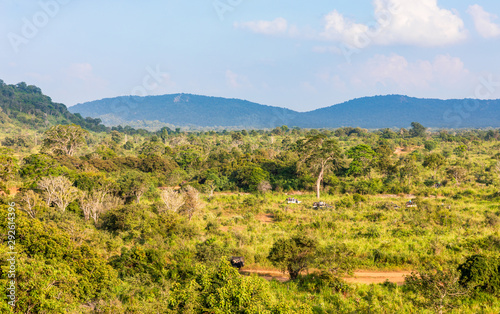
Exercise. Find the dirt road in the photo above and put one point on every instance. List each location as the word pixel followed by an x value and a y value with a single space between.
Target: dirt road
pixel 361 276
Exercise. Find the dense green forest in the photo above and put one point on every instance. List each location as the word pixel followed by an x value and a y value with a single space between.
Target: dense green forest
pixel 128 221
pixel 25 105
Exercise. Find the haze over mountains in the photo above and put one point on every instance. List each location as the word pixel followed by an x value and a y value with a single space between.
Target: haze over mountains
pixel 186 110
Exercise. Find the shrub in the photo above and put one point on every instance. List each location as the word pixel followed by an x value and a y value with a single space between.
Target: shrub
pixel 316 283
pixel 210 252
pixel 142 261
pixel 345 202
pixel 293 255
pixel 481 273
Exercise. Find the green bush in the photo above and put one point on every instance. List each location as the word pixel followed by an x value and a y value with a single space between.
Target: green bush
pixel 316 283
pixel 481 273
pixel 345 203
pixel 138 260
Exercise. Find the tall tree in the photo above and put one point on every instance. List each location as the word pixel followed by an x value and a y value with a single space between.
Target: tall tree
pixel 58 190
pixel 64 139
pixel 8 167
pixel 362 156
pixel 134 184
pixel 456 172
pixel 319 155
pixel 417 130
pixel 408 169
pixel 383 160
pixel 434 161
pixel 293 255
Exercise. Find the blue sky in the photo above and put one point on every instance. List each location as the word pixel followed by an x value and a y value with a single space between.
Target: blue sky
pixel 295 54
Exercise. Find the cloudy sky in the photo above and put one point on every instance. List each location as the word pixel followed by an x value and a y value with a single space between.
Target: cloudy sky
pixel 301 55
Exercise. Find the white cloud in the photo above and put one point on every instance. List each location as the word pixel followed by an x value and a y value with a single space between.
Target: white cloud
pixel 276 27
pixel 421 23
pixel 235 80
pixel 324 49
pixel 396 71
pixel 484 22
pixel 339 28
pixel 416 23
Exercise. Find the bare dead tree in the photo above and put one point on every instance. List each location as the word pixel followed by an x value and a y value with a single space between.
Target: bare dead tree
pixel 109 202
pixel 172 199
pixel 30 202
pixel 91 202
pixel 48 186
pixel 58 190
pixel 95 203
pixel 264 186
pixel 192 202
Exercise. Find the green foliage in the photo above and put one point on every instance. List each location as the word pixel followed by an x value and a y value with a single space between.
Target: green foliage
pixel 152 148
pixel 362 156
pixel 436 289
pixel 221 290
pixel 28 107
pixel 345 202
pixel 417 130
pixel 55 274
pixel 324 281
pixel 93 181
pixel 156 164
pixel 19 141
pixel 37 166
pixel 210 251
pixel 430 145
pixel 117 137
pixel 128 145
pixel 138 260
pixel 8 167
pixel 293 255
pixel 481 273
pixel 64 139
pixel 249 177
pixel 133 184
pixel 169 261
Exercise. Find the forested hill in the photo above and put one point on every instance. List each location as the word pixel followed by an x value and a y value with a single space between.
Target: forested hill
pixel 368 112
pixel 26 105
pixel 186 110
pixel 399 111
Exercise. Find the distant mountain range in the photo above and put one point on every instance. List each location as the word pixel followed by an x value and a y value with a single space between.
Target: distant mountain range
pixel 391 111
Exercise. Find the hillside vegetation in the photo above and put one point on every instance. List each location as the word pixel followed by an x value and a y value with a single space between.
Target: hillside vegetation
pixel 194 111
pixel 25 106
pixel 127 221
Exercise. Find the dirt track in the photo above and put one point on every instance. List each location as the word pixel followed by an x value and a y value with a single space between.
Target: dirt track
pixel 363 277
pixel 368 277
